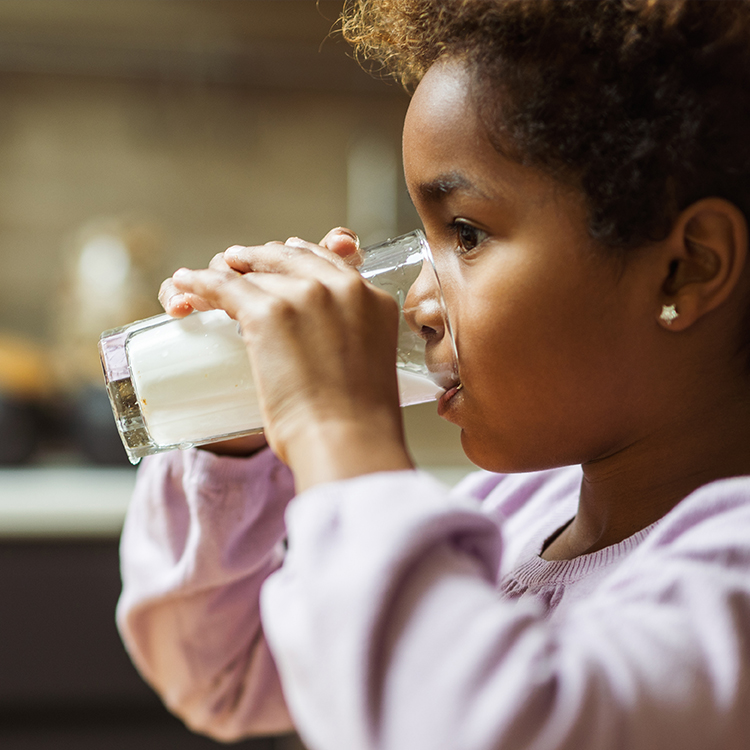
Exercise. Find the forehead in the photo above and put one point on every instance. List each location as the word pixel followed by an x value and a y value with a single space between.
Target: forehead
pixel 447 150
pixel 446 84
pixel 445 141
pixel 442 107
pixel 450 163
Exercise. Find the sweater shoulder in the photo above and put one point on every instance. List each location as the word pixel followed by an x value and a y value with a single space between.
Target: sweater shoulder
pixel 711 523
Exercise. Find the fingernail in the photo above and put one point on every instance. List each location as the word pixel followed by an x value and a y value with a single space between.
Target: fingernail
pixel 176 300
pixel 348 233
pixel 181 273
pixel 295 242
pixel 233 251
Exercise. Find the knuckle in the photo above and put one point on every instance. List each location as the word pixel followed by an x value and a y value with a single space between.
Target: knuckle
pixel 280 309
pixel 288 252
pixel 230 282
pixel 315 292
pixel 222 277
pixel 357 292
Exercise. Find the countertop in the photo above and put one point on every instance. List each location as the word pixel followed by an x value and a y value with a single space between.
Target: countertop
pixel 64 501
pixel 83 501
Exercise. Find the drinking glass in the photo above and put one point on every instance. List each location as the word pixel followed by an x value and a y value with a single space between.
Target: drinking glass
pixel 179 382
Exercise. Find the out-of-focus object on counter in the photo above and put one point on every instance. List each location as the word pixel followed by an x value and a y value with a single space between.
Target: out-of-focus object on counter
pixel 112 277
pixel 24 387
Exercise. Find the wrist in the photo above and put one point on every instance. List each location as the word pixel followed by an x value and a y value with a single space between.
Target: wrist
pixel 332 450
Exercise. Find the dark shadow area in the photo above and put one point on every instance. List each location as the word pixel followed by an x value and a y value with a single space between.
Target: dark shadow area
pixel 65 678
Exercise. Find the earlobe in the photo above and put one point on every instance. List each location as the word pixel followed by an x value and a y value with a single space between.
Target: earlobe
pixel 705 255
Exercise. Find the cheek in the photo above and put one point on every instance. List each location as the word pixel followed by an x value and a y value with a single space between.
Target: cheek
pixel 539 395
pixel 536 345
pixel 499 325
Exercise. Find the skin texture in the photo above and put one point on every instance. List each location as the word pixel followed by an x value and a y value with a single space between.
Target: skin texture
pixel 563 355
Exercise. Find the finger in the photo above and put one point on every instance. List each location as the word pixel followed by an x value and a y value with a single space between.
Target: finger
pixel 180 303
pixel 218 291
pixel 219 263
pixel 339 246
pixel 294 258
pixel 343 242
pixel 175 303
pixel 310 296
pixel 215 289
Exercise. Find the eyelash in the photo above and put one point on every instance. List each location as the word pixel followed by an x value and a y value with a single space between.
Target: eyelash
pixel 457 227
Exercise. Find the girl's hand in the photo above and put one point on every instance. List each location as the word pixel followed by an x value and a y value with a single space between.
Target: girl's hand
pixel 321 342
pixel 178 304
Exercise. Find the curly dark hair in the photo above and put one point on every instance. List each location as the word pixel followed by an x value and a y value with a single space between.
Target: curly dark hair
pixel 643 104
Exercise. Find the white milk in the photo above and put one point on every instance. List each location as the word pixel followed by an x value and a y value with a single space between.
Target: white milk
pixel 414 388
pixel 193 380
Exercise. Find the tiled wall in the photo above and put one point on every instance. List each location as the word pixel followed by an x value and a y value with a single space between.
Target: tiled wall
pixel 206 167
pixel 199 167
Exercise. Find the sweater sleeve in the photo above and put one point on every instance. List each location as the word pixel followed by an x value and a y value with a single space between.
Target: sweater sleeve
pixel 388 631
pixel 201 535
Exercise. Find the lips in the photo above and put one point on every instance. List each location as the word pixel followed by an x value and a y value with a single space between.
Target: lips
pixel 445 399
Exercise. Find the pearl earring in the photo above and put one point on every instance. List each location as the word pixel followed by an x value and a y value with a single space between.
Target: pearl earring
pixel 668 314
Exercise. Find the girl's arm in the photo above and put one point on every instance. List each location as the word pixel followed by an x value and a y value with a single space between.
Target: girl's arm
pixel 202 534
pixel 389 632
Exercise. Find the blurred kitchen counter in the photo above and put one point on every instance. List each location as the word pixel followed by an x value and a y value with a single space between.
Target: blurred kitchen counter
pixel 83 501
pixel 64 500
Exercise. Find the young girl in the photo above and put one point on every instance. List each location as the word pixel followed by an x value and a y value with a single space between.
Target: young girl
pixel 582 171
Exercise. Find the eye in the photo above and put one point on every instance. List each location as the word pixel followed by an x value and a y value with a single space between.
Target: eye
pixel 468 236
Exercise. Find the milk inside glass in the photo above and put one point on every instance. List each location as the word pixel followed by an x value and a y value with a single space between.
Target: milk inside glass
pixel 176 383
pixel 171 365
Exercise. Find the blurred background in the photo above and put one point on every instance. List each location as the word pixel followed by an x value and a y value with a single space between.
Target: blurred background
pixel 138 136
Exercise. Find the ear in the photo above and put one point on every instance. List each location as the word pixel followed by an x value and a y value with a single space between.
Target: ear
pixel 704 257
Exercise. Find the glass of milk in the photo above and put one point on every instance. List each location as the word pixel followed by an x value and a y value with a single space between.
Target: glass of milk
pixel 179 382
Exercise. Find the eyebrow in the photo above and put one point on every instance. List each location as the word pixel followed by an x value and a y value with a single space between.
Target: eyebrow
pixel 446 184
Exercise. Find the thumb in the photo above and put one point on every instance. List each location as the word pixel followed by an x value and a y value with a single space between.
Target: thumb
pixel 341 241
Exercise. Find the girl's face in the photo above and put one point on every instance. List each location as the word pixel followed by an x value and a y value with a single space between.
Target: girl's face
pixel 552 332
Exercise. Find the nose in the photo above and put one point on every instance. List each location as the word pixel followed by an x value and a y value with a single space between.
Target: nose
pixel 423 306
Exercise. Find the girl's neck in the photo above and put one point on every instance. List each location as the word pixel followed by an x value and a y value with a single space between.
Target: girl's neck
pixel 637 485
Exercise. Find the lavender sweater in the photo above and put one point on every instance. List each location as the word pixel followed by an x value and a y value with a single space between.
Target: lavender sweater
pixel 407 616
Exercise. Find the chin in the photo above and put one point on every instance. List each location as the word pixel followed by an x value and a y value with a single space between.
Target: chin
pixel 495 455
pixel 482 453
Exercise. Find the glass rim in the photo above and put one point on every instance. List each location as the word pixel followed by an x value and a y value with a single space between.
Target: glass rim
pixel 427 253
